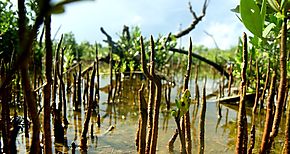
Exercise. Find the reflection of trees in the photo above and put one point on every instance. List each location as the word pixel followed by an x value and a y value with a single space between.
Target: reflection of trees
pixel 166 117
pixel 230 129
pixel 127 103
pixel 193 126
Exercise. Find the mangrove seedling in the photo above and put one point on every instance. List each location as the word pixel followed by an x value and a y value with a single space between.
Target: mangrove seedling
pixel 182 106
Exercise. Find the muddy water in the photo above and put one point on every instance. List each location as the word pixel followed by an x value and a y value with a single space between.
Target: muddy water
pixel 220 133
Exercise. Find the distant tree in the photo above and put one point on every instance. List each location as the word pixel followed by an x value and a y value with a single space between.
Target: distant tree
pixel 87 50
pixel 70 43
pixel 8 31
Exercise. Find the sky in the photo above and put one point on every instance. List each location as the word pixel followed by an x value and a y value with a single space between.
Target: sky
pixel 154 17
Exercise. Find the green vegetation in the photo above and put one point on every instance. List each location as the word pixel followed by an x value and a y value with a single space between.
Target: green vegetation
pixel 37 73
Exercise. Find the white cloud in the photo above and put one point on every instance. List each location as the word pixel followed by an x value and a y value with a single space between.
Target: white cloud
pixel 84 19
pixel 225 35
pixel 137 20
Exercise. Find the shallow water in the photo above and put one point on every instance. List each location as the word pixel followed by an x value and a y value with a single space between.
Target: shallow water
pixel 220 133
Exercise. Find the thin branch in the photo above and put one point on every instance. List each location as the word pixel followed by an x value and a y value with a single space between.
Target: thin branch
pixel 145 71
pixel 211 36
pixel 191 11
pixel 213 64
pixel 195 21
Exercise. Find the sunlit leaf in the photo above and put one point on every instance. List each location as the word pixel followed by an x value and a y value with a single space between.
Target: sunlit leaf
pixel 174 113
pixel 263 12
pixel 250 14
pixel 274 5
pixel 267 30
pixel 283 2
pixel 185 102
pixel 178 104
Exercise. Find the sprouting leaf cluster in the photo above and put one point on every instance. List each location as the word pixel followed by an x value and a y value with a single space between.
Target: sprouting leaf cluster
pixel 182 104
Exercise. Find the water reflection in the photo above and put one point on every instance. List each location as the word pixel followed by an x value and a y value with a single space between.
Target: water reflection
pixel 119 121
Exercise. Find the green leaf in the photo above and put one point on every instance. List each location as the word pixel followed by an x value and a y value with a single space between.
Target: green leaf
pixel 184 102
pixel 267 30
pixel 174 113
pixel 274 5
pixel 263 12
pixel 283 2
pixel 178 104
pixel 250 14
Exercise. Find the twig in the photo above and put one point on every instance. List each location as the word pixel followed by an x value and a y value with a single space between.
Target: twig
pixel 194 22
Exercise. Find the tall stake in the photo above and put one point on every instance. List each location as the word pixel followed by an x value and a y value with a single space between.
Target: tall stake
pixel 265 86
pixel 253 131
pixel 97 93
pixel 196 84
pixel 157 81
pixel 25 52
pixel 202 120
pixel 89 112
pixel 151 144
pixel 55 72
pixel 79 92
pixel 151 93
pixel 98 74
pixel 47 87
pixel 185 87
pixel 142 121
pixel 287 131
pixel 241 144
pixel 269 117
pixel 111 80
pixel 283 79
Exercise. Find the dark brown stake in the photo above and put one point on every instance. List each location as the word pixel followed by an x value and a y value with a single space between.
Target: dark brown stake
pixel 157 82
pixel 79 92
pixel 265 86
pixel 86 89
pixel 55 72
pixel 62 91
pixel 269 117
pixel 282 83
pixel 5 117
pixel 89 112
pixel 202 120
pixel 196 84
pixel 287 131
pixel 150 109
pixel 149 75
pixel 97 94
pixel 111 80
pixel 241 144
pixel 47 87
pixel 253 131
pixel 230 71
pixel 257 89
pixel 250 68
pixel 222 86
pixel 167 92
pixel 152 138
pixel 25 119
pixel 75 92
pixel 172 140
pixel 185 87
pixel 142 121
